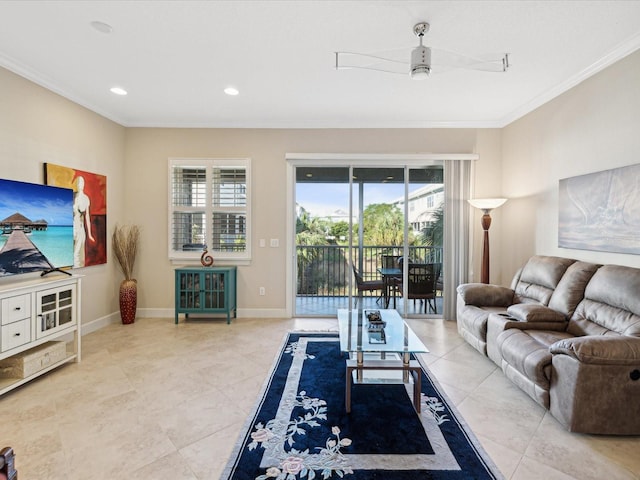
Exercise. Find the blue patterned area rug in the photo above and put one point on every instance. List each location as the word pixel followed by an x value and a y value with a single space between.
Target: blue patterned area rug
pixel 300 429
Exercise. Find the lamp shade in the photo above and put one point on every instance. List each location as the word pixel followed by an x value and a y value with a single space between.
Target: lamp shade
pixel 487 203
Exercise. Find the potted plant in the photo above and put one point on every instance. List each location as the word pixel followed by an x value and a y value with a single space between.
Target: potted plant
pixel 125 248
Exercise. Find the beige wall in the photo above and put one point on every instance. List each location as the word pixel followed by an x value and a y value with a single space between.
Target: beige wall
pixel 37 127
pixel 590 128
pixel 146 190
pixel 594 126
pixel 487 183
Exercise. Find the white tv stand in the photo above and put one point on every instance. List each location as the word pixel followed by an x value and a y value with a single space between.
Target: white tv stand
pixel 33 312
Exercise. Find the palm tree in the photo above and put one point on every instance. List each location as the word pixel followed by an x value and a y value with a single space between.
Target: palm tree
pixel 383 224
pixel 310 231
pixel 433 233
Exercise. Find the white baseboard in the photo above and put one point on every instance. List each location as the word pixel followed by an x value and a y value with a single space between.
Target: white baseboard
pixel 114 317
pixel 155 312
pixel 99 323
pixel 242 313
pixel 263 313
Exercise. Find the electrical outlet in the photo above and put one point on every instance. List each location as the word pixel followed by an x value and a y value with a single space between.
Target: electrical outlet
pixel 274 242
pixel 262 291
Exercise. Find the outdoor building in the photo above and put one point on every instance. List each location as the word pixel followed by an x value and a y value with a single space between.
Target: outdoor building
pixel 17 221
pixel 423 203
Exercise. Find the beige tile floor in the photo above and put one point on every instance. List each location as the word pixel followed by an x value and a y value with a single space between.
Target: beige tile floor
pixel 158 401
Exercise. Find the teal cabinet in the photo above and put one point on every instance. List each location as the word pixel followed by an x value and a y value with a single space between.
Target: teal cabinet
pixel 206 290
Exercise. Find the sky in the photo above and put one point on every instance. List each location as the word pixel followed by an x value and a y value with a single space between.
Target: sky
pixel 322 199
pixel 36 202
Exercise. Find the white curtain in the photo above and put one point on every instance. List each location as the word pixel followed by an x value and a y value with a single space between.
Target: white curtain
pixel 457 188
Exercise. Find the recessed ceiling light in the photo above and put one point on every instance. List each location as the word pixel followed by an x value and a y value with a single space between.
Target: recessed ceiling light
pixel 102 27
pixel 231 91
pixel 118 91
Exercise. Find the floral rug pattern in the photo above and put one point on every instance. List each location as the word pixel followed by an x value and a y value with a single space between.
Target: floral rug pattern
pixel 301 431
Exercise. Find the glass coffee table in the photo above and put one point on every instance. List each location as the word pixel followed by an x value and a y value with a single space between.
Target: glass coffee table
pixel 379 346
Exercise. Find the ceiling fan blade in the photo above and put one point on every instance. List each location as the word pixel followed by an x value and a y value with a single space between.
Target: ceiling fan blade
pixel 444 60
pixel 350 60
pixel 389 61
pixel 419 62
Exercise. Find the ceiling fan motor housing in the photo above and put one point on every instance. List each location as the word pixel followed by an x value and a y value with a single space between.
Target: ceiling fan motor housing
pixel 420 62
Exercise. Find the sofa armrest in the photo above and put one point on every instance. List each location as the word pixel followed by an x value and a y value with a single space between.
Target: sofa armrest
pixel 499 322
pixel 483 295
pixel 496 324
pixel 600 350
pixel 533 312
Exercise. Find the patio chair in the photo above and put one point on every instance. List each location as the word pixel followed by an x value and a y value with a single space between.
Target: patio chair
pixel 423 278
pixel 390 261
pixel 366 286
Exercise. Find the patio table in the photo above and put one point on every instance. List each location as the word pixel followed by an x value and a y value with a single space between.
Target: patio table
pixel 389 277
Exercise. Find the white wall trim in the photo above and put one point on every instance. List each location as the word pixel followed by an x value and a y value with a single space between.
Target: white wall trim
pixel 242 313
pixel 99 323
pixel 625 48
pixel 356 160
pixel 44 81
pixel 374 159
pixel 290 232
pixel 114 318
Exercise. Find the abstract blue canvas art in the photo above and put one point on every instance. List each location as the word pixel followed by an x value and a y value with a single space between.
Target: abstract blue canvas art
pixel 601 211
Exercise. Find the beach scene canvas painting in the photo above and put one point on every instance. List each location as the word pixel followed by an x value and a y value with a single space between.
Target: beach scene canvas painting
pixel 601 211
pixel 36 224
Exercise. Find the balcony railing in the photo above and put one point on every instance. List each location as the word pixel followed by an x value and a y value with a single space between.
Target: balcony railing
pixel 324 270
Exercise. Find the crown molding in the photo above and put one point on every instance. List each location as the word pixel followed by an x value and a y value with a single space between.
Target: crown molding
pixel 621 51
pixel 42 80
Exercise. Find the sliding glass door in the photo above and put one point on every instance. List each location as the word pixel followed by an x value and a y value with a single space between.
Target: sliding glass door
pixel 322 240
pixel 362 232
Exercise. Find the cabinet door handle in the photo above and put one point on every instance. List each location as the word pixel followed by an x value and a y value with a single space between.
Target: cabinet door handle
pixel 18 308
pixel 16 334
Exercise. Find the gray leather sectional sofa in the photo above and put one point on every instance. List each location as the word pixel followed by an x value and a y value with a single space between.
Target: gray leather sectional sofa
pixel 568 334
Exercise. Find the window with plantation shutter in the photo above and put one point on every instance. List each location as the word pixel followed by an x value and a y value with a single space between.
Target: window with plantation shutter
pixel 209 206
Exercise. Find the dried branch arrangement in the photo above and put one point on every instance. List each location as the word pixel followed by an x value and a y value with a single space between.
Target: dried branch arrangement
pixel 125 247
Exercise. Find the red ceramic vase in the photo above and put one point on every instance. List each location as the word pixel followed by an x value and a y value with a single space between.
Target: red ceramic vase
pixel 128 301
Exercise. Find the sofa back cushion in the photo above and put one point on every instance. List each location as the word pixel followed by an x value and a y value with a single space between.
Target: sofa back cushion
pixel 570 289
pixel 539 278
pixel 611 304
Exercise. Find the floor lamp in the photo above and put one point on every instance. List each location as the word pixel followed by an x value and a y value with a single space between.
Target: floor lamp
pixel 486 205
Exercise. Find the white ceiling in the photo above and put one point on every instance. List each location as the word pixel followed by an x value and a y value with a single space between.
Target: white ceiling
pixel 176 57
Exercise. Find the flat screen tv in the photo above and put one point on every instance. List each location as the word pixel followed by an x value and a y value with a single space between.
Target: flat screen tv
pixel 36 228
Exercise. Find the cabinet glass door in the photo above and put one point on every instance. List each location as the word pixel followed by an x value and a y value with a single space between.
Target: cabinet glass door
pixel 214 290
pixel 48 317
pixel 65 302
pixel 189 290
pixel 56 310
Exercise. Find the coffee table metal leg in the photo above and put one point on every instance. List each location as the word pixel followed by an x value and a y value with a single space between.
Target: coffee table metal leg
pixel 405 367
pixel 347 390
pixel 417 389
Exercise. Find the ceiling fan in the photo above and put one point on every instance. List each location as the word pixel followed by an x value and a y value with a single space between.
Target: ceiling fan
pixel 423 60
